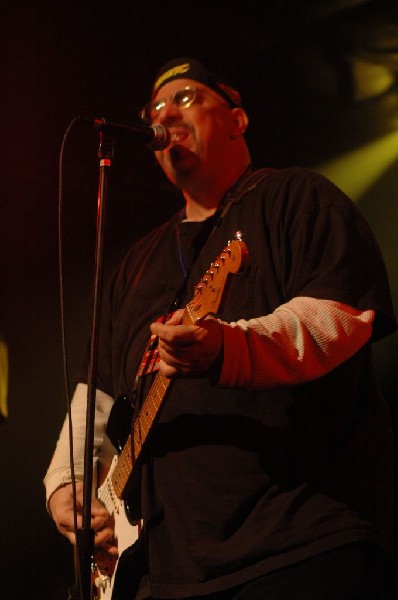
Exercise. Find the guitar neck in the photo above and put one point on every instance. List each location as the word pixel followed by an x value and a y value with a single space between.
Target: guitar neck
pixel 141 428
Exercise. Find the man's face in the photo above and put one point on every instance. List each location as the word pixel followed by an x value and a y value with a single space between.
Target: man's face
pixel 199 132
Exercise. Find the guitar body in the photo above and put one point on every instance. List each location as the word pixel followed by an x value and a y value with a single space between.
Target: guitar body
pixel 103 576
pixel 126 531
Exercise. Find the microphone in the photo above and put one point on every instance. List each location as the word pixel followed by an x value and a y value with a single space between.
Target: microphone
pixel 156 137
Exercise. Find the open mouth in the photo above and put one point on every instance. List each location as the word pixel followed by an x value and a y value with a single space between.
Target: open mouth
pixel 178 135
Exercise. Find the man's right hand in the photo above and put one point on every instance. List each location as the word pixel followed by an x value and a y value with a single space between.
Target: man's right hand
pixel 61 509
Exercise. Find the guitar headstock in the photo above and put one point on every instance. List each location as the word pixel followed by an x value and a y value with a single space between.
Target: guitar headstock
pixel 209 290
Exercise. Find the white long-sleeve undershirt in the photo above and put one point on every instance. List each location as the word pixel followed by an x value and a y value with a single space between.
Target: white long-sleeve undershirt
pixel 59 472
pixel 300 341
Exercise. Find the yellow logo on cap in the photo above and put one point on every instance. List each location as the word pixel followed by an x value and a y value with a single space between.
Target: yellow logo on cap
pixel 178 70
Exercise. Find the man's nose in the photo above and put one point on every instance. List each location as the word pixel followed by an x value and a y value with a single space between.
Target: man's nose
pixel 170 111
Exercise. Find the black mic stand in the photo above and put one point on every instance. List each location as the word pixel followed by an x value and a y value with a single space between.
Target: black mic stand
pixel 85 536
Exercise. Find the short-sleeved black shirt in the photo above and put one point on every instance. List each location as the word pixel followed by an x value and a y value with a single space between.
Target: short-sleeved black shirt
pixel 238 483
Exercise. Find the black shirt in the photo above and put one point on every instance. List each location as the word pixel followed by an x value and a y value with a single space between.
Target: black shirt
pixel 238 483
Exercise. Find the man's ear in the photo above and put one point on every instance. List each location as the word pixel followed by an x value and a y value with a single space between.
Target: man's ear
pixel 239 122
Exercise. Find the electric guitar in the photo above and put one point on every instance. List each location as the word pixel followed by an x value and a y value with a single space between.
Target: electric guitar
pixel 123 480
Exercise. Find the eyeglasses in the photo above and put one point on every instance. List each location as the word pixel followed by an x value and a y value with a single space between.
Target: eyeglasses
pixel 181 98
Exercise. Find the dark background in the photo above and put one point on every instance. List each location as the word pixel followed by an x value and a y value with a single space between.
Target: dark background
pixel 319 81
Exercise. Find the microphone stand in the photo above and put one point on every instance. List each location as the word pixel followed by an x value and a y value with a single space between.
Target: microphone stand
pixel 85 536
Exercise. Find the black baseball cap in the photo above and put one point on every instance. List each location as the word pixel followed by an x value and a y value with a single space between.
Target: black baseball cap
pixel 190 68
